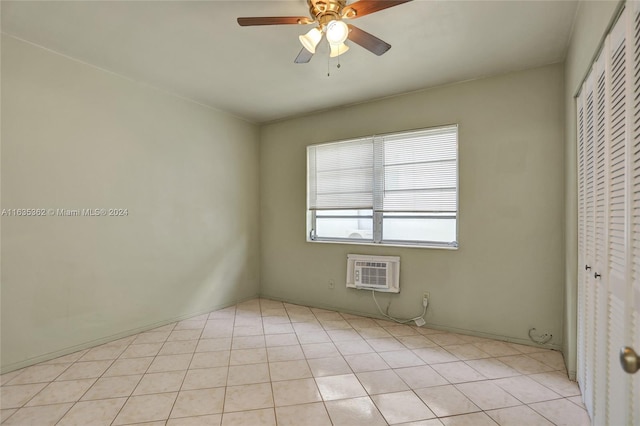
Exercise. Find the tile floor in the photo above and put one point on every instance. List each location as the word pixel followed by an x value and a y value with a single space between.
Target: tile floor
pixel 264 362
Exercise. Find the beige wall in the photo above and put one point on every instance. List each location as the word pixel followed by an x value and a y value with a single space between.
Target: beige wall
pixel 590 26
pixel 507 275
pixel 76 137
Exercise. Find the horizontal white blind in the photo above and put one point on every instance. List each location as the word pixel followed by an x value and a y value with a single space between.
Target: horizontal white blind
pixel 340 175
pixel 420 171
pixel 403 172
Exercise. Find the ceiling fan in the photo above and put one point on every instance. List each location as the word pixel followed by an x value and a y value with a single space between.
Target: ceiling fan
pixel 328 17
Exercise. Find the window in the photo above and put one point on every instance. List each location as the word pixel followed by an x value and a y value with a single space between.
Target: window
pixel 400 188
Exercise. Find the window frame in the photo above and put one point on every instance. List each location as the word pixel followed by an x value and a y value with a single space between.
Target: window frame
pixel 377 217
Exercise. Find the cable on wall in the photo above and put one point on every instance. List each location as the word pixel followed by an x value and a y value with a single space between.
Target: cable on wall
pixel 540 339
pixel 419 319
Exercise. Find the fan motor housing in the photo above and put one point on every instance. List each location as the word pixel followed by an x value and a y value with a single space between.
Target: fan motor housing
pixel 330 8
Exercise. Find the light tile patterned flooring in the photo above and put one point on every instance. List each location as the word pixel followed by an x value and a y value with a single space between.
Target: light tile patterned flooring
pixel 264 362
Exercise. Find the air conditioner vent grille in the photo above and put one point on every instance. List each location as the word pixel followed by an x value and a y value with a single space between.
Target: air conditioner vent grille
pixel 374 276
pixel 372 264
pixel 379 273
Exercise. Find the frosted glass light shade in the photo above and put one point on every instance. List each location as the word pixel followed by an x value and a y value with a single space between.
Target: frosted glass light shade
pixel 337 32
pixel 311 39
pixel 338 49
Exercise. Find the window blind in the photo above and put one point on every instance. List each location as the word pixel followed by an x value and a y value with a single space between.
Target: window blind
pixel 420 171
pixel 402 172
pixel 340 175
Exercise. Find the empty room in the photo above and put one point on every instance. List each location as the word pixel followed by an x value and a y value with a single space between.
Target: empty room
pixel 320 212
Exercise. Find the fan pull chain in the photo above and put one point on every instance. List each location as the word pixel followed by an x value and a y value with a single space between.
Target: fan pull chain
pixel 328 66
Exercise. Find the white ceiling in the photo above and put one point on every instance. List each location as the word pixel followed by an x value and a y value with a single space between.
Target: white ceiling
pixel 196 49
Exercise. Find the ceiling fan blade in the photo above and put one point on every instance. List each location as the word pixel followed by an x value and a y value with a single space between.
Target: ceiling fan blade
pixel 365 7
pixel 273 20
pixel 303 57
pixel 370 42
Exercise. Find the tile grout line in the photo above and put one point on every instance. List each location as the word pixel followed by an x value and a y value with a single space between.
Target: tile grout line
pixel 368 396
pixel 273 396
pixel 187 370
pixel 145 372
pixel 54 380
pixel 73 403
pixel 37 393
pixel 324 403
pixel 226 381
pixel 83 394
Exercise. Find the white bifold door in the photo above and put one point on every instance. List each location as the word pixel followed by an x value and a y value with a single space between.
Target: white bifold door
pixel 608 131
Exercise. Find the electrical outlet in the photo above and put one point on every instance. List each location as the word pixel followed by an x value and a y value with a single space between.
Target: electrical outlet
pixel 425 299
pixel 546 335
pixel 332 283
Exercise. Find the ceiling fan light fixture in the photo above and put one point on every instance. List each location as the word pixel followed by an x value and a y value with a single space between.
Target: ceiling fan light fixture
pixel 337 32
pixel 311 39
pixel 338 49
pixel 328 18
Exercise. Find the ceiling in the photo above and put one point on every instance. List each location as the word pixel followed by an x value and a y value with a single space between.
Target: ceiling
pixel 195 49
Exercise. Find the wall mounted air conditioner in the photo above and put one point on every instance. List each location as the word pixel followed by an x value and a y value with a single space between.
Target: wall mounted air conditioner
pixel 379 273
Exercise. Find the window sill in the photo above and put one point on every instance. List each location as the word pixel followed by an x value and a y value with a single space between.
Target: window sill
pixel 394 244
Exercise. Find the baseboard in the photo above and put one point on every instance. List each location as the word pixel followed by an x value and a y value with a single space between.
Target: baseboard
pixel 509 339
pixel 66 351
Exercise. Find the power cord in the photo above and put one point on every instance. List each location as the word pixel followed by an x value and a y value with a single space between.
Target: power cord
pixel 540 339
pixel 425 303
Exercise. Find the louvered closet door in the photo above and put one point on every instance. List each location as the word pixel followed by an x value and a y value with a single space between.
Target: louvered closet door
pixel 600 290
pixel 593 196
pixel 633 298
pixel 608 131
pixel 581 370
pixel 582 273
pixel 589 244
pixel 616 51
